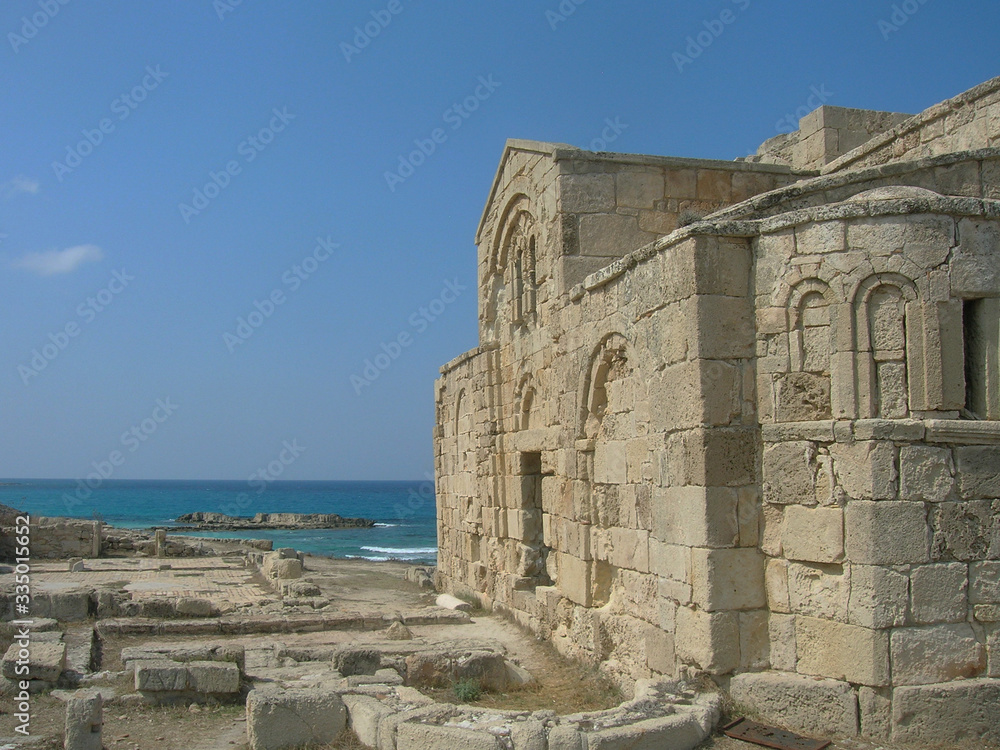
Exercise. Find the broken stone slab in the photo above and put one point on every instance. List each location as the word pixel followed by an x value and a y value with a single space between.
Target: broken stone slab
pixel 179 652
pixel 195 607
pixel 365 713
pixel 411 736
pixel 679 732
pixel 529 735
pixel 447 601
pixel 45 661
pixel 806 704
pixel 84 722
pixel 280 718
pixel 398 632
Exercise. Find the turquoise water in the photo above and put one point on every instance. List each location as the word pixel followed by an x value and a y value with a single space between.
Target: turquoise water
pixel 404 511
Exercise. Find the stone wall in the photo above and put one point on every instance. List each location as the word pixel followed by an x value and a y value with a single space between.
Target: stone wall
pixel 53 538
pixel 966 122
pixel 765 445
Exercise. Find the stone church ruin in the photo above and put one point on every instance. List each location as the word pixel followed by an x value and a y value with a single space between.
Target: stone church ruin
pixel 743 418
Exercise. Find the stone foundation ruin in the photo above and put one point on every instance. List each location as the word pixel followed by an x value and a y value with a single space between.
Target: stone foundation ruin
pixel 763 444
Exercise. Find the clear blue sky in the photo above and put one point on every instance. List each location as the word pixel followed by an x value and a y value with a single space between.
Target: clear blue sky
pixel 72 215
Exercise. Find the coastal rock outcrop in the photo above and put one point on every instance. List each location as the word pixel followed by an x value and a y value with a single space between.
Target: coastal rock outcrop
pixel 222 522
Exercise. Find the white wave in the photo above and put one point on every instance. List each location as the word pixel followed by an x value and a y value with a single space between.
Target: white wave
pixel 386 525
pixel 402 550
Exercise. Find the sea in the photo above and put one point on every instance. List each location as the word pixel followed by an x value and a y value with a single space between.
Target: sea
pixel 404 512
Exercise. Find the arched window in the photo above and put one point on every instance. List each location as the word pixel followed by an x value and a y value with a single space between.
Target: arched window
pixel 880 310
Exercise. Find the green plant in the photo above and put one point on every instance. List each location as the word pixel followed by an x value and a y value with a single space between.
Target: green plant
pixel 467 690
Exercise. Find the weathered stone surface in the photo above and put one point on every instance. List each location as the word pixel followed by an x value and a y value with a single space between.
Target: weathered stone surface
pixel 566 737
pixel 709 640
pixel 45 661
pixel 681 732
pixel 529 735
pixel 886 533
pixel 727 578
pixel 984 582
pixel 875 709
pixel 364 716
pixel 820 707
pixel 926 473
pixel 966 711
pixel 939 593
pixel 414 736
pixel 842 652
pixel 966 531
pixel 813 534
pixel 938 653
pixel 213 677
pixel 398 632
pixel 194 607
pixel 866 470
pixel 819 590
pixel 788 473
pixel 977 471
pixel 879 597
pixel 287 718
pixel 160 676
pixel 84 722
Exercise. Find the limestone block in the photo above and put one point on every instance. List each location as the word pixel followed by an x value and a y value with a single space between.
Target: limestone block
pixel 843 652
pixel 714 185
pixel 772 523
pixel 978 473
pixel 610 462
pixel 696 516
pixel 721 267
pixel 709 640
pixel 967 531
pixel 821 707
pixel 819 590
pixel 866 470
pixel 788 473
pixel 529 735
pixel 46 660
pixel 879 597
pixel 724 579
pixel 611 235
pixel 84 721
pixel 213 677
pixel 680 731
pixel 974 271
pixel 630 549
pixel 875 709
pixel 566 737
pixel 754 640
pixel 776 585
pixel 938 653
pixel 781 633
pixel 886 533
pixel 160 676
pixel 984 578
pixel 926 473
pixel 365 713
pixel 414 736
pixel 819 237
pixel 639 189
pixel 802 397
pixel 749 516
pixel 195 607
pixel 575 579
pixel 724 326
pixel 660 651
pixel 286 718
pixel 813 534
pixel 586 193
pixel 993 652
pixel 939 593
pixel 681 183
pixel 965 711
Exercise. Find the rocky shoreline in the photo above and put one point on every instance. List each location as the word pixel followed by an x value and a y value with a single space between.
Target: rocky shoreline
pixel 268 521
